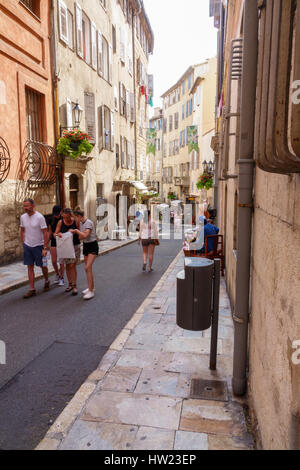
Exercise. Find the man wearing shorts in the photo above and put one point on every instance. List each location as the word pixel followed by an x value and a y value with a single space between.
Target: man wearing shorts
pixel 34 237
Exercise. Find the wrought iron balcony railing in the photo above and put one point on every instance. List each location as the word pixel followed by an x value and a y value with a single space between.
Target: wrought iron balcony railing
pixel 40 163
pixel 4 160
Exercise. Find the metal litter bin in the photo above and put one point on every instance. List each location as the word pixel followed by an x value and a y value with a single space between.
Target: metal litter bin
pixel 194 294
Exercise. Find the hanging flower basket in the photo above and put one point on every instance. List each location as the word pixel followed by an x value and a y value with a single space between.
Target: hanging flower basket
pixel 205 181
pixel 74 144
pixel 172 196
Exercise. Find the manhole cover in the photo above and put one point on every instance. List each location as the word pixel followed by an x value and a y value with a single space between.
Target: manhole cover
pixel 209 390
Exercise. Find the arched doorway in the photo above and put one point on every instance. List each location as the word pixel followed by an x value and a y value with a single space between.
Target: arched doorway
pixel 73 190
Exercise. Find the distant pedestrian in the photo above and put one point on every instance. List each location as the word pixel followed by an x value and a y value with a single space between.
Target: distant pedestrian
pixel 87 234
pixel 34 237
pixel 67 224
pixel 149 238
pixel 56 217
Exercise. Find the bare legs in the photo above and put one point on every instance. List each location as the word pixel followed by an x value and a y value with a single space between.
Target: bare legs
pixel 88 261
pixel 148 251
pixel 71 273
pixel 31 276
pixel 59 271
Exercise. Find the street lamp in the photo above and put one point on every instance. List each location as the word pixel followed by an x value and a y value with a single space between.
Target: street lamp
pixel 205 166
pixel 77 110
pixel 211 167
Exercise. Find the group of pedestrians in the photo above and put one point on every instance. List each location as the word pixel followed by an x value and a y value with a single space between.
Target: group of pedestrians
pixel 36 236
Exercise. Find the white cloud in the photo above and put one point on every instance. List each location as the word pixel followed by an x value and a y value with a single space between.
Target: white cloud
pixel 184 35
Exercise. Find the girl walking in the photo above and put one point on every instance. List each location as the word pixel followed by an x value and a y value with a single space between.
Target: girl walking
pixel 149 237
pixel 69 224
pixel 56 217
pixel 87 234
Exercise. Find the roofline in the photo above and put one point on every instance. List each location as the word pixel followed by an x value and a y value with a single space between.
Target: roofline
pixel 187 72
pixel 143 11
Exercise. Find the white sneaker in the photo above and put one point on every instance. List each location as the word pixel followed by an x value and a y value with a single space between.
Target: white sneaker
pixel 57 279
pixel 61 282
pixel 89 295
pixel 85 291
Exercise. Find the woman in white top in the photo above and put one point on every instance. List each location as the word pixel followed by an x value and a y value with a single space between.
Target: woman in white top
pixel 149 237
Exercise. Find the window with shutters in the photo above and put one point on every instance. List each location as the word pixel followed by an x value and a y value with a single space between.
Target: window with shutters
pixel 187 109
pixel 176 120
pixel 105 59
pixel 63 21
pixel 165 126
pixel 122 150
pixel 32 5
pixel 122 45
pixel 79 30
pixel 90 115
pixel 132 156
pixel 70 30
pixel 86 35
pixel 132 108
pixel 35 115
pixel 106 129
pixel 94 45
pixel 100 53
pixel 117 156
pixel 183 88
pixel 122 93
pixel 114 39
pixel 116 101
pixel 170 123
pixel 189 82
pixel 165 150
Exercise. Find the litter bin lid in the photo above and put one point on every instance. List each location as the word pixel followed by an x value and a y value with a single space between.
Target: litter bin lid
pixel 181 274
pixel 198 262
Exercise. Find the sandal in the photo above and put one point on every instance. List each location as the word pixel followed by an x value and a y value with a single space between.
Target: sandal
pixel 68 289
pixel 74 290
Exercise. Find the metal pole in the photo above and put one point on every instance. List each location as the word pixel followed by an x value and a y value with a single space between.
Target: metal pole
pixel 215 316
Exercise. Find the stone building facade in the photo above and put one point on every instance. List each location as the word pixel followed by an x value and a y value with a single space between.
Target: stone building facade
pixel 271 214
pixel 26 104
pixel 100 46
pixel 190 102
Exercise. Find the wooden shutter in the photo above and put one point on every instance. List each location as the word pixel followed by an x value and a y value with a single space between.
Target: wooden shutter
pixel 90 118
pixel 79 32
pixel 69 113
pixel 132 156
pixel 132 108
pixel 122 152
pixel 122 44
pixel 127 104
pixel 150 85
pixel 100 71
pixel 112 129
pixel 116 98
pixel 121 98
pixel 110 63
pixel 101 128
pixel 94 45
pixel 63 22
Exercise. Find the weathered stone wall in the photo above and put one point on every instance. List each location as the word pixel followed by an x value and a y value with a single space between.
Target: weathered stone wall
pixel 275 317
pixel 12 195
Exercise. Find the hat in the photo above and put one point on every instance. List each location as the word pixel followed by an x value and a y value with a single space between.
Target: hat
pixel 202 219
pixel 56 210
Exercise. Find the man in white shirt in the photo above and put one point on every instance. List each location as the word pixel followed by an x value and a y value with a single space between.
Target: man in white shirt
pixel 34 237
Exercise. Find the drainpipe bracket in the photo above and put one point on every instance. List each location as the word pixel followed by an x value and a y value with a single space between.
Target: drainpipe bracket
pixel 247 206
pixel 237 319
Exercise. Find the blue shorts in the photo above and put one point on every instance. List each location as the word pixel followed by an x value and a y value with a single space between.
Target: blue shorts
pixel 33 256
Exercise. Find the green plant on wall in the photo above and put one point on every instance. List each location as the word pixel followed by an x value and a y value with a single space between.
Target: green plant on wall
pixel 172 196
pixel 74 144
pixel 151 141
pixel 205 181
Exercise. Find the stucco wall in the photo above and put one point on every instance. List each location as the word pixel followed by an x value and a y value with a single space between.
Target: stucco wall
pixel 275 317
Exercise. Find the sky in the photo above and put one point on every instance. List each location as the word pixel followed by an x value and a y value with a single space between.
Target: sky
pixel 184 35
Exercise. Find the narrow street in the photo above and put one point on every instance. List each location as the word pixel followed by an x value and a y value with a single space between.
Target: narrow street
pixel 54 341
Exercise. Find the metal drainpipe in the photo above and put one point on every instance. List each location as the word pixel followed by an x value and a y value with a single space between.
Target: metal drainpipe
pixel 245 206
pixel 59 188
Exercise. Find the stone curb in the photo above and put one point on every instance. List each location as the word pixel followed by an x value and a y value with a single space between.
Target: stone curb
pixel 63 423
pixel 24 281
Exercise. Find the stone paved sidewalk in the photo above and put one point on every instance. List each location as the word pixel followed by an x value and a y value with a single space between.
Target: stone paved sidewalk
pixel 14 275
pixel 139 397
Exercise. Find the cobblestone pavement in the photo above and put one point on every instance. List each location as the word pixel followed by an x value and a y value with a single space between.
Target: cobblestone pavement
pixel 14 275
pixel 139 396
